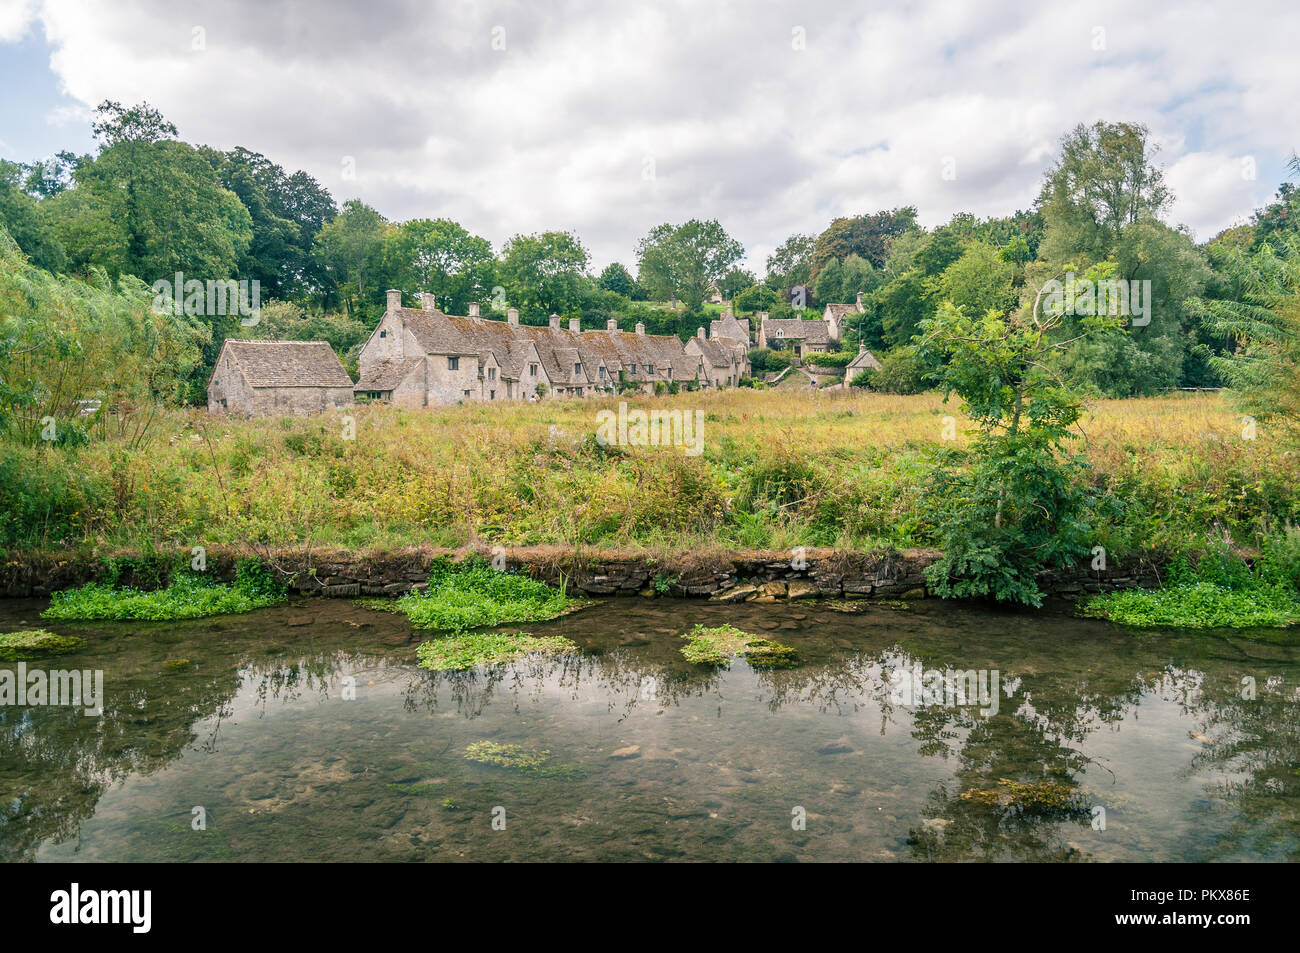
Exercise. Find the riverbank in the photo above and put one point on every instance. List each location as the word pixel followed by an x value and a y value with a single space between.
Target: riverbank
pixel 723 575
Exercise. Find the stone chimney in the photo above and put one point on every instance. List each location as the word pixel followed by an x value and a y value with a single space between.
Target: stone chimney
pixel 699 332
pixel 394 299
pixel 473 309
pixel 860 306
pixel 575 325
pixel 762 316
pixel 428 302
pixel 862 347
pixel 611 324
pixel 555 322
pixel 512 316
pixel 640 329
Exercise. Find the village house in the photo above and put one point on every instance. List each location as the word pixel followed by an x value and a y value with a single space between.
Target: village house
pixel 797 335
pixel 266 378
pixel 839 314
pixel 424 357
pixel 865 361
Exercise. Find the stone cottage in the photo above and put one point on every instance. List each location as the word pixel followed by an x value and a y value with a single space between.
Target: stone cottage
pixel 268 378
pixel 797 335
pixel 840 314
pixel 865 361
pixel 422 357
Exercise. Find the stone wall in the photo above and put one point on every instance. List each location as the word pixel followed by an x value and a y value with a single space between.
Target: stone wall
pixel 728 577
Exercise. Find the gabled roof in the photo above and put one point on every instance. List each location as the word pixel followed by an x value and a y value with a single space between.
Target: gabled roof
pixel 864 360
pixel 286 363
pixel 840 311
pixel 386 375
pixel 813 332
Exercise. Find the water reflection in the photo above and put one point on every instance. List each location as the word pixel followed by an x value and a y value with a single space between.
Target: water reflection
pixel 319 739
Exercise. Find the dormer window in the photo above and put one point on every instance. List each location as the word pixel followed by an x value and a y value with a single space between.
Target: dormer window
pixel 577 368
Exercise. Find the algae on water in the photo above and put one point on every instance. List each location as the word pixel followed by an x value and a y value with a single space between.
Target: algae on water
pixel 459 653
pixel 719 645
pixel 471 595
pixel 35 644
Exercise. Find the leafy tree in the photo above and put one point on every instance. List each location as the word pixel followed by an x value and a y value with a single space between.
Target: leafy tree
pixel 617 279
pixel 27 220
pixel 545 274
pixel 734 282
pixel 867 236
pixel 979 281
pixel 350 251
pixel 443 258
pixel 1103 181
pixel 1263 369
pixel 791 263
pixel 287 212
pixel 680 261
pixel 1018 506
pixel 756 298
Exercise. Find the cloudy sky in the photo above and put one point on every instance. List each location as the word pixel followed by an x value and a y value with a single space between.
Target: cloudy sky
pixel 610 118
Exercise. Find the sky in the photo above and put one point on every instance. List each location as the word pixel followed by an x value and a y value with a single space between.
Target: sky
pixel 610 118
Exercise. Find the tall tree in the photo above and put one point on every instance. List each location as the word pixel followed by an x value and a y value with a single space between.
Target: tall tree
pixel 867 236
pixel 441 257
pixel 544 274
pixel 680 261
pixel 350 250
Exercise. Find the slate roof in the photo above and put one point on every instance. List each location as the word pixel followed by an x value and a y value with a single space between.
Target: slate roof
pixel 865 360
pixel 386 375
pixel 839 311
pixel 286 363
pixel 812 332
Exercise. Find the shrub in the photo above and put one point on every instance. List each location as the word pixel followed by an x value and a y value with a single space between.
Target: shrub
pixel 901 372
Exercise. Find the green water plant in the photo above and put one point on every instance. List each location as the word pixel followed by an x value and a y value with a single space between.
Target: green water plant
pixel 471 595
pixel 1045 798
pixel 189 595
pixel 717 647
pixel 36 643
pixel 1219 590
pixel 459 653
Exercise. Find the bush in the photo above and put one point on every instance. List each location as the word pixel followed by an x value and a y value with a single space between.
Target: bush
pixel 901 372
pixel 829 360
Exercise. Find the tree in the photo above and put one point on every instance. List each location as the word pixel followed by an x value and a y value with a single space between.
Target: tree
pixel 867 236
pixel 735 281
pixel 617 279
pixel 350 252
pixel 441 257
pixel 791 263
pixel 544 274
pixel 27 220
pixel 977 282
pixel 1018 507
pixel 287 212
pixel 1103 181
pixel 1263 369
pixel 680 261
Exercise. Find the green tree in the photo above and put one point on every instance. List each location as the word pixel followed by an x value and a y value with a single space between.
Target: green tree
pixel 545 274
pixel 350 251
pixel 1018 506
pixel 791 263
pixel 617 279
pixel 680 261
pixel 441 257
pixel 867 236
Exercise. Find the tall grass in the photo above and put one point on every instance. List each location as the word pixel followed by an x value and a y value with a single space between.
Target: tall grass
pixel 779 469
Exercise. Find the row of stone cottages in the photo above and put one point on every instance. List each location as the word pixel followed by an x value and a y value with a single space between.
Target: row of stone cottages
pixel 424 357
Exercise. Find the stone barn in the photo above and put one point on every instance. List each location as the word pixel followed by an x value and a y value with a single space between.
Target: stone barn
pixel 277 378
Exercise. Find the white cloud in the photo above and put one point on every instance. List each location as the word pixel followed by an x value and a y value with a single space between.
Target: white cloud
pixel 554 130
pixel 15 18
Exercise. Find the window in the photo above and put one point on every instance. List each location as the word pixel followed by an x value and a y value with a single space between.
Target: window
pixel 780 333
pixel 492 395
pixel 492 373
pixel 383 334
pixel 466 393
pixel 453 363
pixel 602 371
pixel 650 369
pixel 577 368
pixel 532 370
